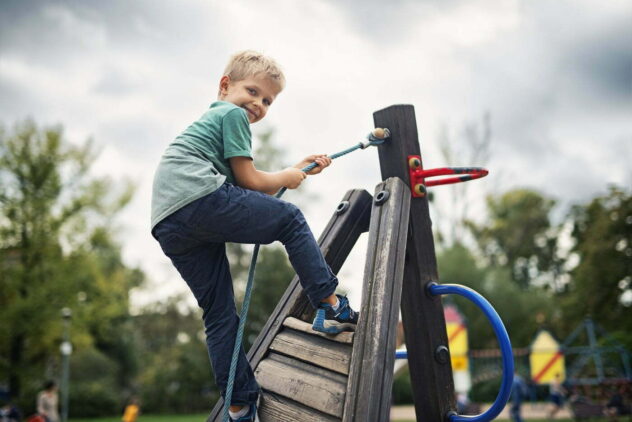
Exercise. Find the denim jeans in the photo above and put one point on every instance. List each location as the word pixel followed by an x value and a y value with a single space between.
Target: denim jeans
pixel 194 239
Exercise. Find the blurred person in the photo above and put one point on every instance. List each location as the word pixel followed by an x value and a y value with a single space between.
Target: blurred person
pixel 132 410
pixel 616 406
pixel 47 402
pixel 8 412
pixel 556 395
pixel 518 394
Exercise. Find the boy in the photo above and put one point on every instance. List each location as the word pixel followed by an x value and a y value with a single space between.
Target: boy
pixel 207 192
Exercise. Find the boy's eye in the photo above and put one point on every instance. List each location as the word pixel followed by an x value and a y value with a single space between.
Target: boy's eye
pixel 251 91
pixel 267 102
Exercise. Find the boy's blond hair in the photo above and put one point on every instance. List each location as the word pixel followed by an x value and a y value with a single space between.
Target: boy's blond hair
pixel 245 64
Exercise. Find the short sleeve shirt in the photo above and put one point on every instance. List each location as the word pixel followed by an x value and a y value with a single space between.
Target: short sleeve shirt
pixel 197 162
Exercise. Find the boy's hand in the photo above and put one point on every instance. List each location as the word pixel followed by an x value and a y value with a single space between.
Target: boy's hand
pixel 293 177
pixel 321 159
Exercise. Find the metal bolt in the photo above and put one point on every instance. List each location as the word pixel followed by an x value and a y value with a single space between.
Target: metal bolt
pixel 381 197
pixel 342 207
pixel 442 355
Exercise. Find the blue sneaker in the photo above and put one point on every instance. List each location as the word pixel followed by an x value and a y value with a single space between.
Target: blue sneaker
pixel 250 417
pixel 344 315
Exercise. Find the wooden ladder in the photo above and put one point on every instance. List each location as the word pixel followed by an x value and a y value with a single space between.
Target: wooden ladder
pixel 310 376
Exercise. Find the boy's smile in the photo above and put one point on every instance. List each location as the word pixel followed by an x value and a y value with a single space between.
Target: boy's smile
pixel 254 94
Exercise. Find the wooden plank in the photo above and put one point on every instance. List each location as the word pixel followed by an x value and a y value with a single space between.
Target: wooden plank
pixel 370 382
pixel 309 385
pixel 422 315
pixel 336 241
pixel 314 350
pixel 274 408
pixel 345 337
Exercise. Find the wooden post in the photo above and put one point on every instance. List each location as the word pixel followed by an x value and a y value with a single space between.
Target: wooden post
pixel 370 383
pixel 337 240
pixel 423 320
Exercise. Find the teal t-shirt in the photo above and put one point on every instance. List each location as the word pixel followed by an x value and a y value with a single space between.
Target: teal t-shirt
pixel 196 162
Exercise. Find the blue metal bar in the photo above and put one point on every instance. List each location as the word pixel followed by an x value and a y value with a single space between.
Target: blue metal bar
pixel 503 341
pixel 401 354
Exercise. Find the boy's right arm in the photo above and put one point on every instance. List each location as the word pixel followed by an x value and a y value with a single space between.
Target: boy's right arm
pixel 247 176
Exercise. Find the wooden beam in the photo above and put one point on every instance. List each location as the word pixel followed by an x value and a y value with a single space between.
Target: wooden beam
pixel 370 383
pixel 423 320
pixel 336 241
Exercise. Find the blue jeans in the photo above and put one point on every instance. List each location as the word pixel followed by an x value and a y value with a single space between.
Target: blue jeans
pixel 514 411
pixel 194 239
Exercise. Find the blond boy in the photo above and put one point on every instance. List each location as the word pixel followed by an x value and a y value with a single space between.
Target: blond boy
pixel 207 191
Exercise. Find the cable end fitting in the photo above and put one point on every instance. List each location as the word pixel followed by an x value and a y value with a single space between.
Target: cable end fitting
pixel 376 137
pixel 381 133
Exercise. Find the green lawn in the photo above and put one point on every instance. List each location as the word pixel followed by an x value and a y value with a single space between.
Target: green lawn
pixel 151 418
pixel 202 418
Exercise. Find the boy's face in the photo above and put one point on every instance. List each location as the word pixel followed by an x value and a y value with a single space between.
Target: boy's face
pixel 254 94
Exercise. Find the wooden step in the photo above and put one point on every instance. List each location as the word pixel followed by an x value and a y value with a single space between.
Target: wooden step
pixel 275 408
pixel 313 349
pixel 313 387
pixel 298 325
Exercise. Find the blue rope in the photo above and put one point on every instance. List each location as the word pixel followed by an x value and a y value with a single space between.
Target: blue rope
pixel 372 140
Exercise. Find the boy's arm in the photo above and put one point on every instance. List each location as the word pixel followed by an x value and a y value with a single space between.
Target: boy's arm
pixel 247 176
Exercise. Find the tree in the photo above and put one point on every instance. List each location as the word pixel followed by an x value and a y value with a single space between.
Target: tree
pixel 471 148
pixel 56 251
pixel 519 235
pixel 601 282
pixel 522 311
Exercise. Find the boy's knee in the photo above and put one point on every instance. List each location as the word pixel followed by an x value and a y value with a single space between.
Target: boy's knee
pixel 292 213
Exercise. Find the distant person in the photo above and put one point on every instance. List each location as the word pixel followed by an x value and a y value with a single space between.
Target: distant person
pixel 8 412
pixel 556 395
pixel 47 402
pixel 207 192
pixel 616 406
pixel 132 410
pixel 518 394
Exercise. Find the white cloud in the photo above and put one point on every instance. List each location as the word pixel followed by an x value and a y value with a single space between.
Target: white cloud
pixel 134 80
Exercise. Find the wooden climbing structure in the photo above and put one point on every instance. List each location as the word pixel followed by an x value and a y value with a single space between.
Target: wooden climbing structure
pixel 312 377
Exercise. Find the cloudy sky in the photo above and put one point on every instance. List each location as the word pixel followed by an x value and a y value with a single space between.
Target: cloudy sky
pixel 555 77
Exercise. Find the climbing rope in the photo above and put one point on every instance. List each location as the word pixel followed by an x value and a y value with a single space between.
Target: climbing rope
pixel 376 137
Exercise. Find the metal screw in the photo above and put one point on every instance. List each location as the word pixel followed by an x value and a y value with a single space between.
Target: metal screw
pixel 382 197
pixel 442 355
pixel 342 207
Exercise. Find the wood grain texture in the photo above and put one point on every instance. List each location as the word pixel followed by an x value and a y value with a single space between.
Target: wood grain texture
pixel 314 350
pixel 275 408
pixel 370 380
pixel 345 337
pixel 422 315
pixel 309 385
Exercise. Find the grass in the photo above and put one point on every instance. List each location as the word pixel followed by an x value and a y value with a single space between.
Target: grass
pixel 202 417
pixel 151 418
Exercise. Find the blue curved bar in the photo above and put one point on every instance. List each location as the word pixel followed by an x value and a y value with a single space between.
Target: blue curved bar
pixel 503 341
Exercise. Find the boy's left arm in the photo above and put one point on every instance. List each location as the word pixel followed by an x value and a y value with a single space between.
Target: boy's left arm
pixel 321 159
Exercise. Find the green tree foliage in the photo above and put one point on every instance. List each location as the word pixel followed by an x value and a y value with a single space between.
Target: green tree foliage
pixel 522 311
pixel 519 235
pixel 175 375
pixel 601 282
pixel 56 250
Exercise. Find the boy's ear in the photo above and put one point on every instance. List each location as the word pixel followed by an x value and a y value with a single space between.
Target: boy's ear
pixel 223 85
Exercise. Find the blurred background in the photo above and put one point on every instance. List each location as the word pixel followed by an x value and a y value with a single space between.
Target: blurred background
pixel 91 93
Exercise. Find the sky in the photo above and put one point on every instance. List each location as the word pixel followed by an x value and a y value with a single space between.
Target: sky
pixel 554 77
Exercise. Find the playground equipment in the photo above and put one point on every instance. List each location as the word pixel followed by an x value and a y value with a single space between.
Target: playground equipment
pixel 313 377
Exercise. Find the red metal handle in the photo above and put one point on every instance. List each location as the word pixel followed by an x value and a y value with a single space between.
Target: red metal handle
pixel 418 175
pixel 466 173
